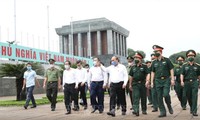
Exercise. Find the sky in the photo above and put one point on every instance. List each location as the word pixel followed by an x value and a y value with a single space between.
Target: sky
pixel 172 24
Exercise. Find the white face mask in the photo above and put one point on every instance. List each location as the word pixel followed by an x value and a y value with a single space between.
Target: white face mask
pixel 51 65
pixel 94 62
pixel 67 67
pixel 129 64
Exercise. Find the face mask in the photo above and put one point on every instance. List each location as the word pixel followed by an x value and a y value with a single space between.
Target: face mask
pixel 67 67
pixel 79 67
pixel 114 63
pixel 136 61
pixel 129 64
pixel 157 54
pixel 191 59
pixel 29 68
pixel 51 65
pixel 180 63
pixel 94 62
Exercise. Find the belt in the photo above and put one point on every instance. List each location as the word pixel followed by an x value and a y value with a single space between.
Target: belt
pixel 163 77
pixel 69 83
pixel 190 80
pixel 97 81
pixel 117 83
pixel 52 81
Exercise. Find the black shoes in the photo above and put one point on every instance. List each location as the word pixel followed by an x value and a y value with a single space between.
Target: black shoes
pixel 52 109
pixel 123 113
pixel 93 110
pixel 136 113
pixel 144 112
pixel 171 111
pixel 25 107
pixel 100 112
pixel 68 112
pixel 154 110
pixel 85 107
pixel 34 106
pixel 75 109
pixel 163 115
pixel 195 114
pixel 111 113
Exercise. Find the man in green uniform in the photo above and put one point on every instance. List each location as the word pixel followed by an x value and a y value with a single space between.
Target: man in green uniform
pixel 52 78
pixel 153 89
pixel 139 75
pixel 128 91
pixel 178 88
pixel 163 74
pixel 190 73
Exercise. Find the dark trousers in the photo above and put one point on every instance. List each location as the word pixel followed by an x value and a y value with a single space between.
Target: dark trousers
pixel 97 91
pixel 30 96
pixel 116 90
pixel 70 93
pixel 82 91
pixel 51 92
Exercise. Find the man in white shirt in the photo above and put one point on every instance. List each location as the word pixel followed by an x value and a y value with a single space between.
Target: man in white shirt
pixel 81 76
pixel 97 83
pixel 70 85
pixel 29 82
pixel 118 78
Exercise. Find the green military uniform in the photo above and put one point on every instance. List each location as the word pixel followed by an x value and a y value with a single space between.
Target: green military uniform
pixel 191 73
pixel 162 81
pixel 178 88
pixel 52 75
pixel 139 74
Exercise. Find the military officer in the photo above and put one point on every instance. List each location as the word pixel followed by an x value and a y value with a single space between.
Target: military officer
pixel 178 88
pixel 139 75
pixel 52 78
pixel 163 74
pixel 130 60
pixel 189 74
pixel 153 89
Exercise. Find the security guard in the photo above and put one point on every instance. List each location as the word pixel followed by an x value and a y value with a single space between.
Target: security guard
pixel 52 77
pixel 153 89
pixel 139 75
pixel 178 88
pixel 190 72
pixel 130 60
pixel 163 72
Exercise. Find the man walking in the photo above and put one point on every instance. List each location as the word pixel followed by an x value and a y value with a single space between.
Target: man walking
pixel 29 83
pixel 52 78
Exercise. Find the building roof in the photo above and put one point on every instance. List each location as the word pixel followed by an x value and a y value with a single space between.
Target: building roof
pixel 98 24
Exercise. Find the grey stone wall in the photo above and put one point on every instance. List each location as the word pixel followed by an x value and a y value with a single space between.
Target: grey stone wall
pixel 8 87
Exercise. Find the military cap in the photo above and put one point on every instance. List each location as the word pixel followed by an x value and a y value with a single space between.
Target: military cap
pixel 130 58
pixel 148 61
pixel 180 56
pixel 51 60
pixel 138 55
pixel 191 53
pixel 153 54
pixel 157 48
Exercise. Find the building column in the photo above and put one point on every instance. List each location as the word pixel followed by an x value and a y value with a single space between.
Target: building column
pixel 110 41
pixel 99 48
pixel 124 47
pixel 121 46
pixel 118 50
pixel 79 45
pixel 70 44
pixel 65 45
pixel 114 43
pixel 61 43
pixel 88 44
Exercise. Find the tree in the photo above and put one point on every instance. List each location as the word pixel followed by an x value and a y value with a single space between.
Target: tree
pixel 17 70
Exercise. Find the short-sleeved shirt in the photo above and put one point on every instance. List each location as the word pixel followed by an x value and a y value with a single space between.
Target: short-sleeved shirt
pixel 190 72
pixel 177 72
pixel 30 78
pixel 162 67
pixel 139 73
pixel 52 74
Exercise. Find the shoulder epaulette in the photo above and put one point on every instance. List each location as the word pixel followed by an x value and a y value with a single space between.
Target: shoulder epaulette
pixel 197 64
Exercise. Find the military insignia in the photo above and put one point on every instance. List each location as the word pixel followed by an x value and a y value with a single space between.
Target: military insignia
pixel 141 69
pixel 186 68
pixel 195 68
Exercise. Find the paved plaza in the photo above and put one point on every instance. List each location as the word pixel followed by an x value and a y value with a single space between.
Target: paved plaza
pixel 43 112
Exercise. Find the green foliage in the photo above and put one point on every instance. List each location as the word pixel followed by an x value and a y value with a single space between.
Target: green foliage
pixel 183 53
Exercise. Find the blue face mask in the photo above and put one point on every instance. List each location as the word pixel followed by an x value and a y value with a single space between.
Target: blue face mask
pixel 28 67
pixel 114 63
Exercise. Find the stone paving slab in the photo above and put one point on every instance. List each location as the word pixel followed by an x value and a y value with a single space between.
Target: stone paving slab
pixel 44 112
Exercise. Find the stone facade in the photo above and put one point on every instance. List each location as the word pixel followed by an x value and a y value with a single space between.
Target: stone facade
pixel 93 37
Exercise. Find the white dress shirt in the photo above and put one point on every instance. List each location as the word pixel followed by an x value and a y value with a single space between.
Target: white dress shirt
pixel 81 75
pixel 117 73
pixel 97 74
pixel 69 77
